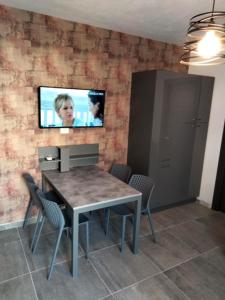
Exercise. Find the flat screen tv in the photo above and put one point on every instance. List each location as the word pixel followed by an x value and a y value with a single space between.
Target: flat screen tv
pixel 70 108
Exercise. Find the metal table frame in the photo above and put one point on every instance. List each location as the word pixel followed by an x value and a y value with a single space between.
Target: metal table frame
pixel 94 206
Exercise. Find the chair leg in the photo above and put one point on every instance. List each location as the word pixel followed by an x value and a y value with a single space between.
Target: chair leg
pixel 28 212
pixel 38 235
pixel 36 228
pixel 55 253
pixel 87 239
pixel 151 225
pixel 106 220
pixel 123 230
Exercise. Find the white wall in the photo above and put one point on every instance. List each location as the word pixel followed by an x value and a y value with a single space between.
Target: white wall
pixel 215 130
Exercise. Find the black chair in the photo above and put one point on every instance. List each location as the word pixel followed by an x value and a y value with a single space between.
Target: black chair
pixel 144 185
pixel 121 172
pixel 61 222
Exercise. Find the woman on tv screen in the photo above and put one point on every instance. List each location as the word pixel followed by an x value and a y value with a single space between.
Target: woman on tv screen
pixel 64 106
pixel 96 105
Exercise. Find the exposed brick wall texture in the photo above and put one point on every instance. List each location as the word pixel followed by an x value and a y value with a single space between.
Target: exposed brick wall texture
pixel 40 50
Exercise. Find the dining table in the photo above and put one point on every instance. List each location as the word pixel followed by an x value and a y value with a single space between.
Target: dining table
pixel 88 188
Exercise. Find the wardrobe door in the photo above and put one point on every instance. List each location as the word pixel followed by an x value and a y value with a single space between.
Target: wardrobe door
pixel 141 116
pixel 201 126
pixel 180 101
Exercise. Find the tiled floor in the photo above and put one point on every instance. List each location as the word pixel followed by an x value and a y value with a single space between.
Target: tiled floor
pixel 187 262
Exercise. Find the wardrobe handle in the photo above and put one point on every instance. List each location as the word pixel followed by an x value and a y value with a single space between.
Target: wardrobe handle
pixel 165 166
pixel 165 159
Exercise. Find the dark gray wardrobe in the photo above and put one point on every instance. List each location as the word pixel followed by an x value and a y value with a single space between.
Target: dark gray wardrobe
pixel 169 115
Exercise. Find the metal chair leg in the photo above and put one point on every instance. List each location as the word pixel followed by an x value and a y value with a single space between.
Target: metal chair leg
pixel 36 228
pixel 55 253
pixel 151 225
pixel 87 239
pixel 38 235
pixel 28 212
pixel 123 230
pixel 106 218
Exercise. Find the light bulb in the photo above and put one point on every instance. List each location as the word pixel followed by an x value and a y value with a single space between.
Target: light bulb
pixel 209 46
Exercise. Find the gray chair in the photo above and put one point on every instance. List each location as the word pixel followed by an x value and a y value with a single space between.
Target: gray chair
pixel 29 182
pixel 34 201
pixel 143 184
pixel 61 222
pixel 122 172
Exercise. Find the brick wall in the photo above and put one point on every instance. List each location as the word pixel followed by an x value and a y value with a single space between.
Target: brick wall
pixel 40 50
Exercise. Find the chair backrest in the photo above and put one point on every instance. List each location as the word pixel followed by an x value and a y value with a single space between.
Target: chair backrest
pixel 122 172
pixel 52 211
pixel 32 187
pixel 145 185
pixel 28 177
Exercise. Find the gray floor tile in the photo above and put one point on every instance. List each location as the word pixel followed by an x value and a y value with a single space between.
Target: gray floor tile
pixel 9 235
pixel 196 235
pixel 201 278
pixel 168 251
pixel 12 260
pixel 216 258
pixel 195 210
pixel 20 288
pixel 108 298
pixel 98 239
pixel 27 232
pixel 169 217
pixel 215 224
pixel 63 286
pixel 155 288
pixel 144 227
pixel 42 257
pixel 120 270
pixel 181 214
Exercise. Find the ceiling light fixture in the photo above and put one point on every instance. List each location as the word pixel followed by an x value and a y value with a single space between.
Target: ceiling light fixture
pixel 205 44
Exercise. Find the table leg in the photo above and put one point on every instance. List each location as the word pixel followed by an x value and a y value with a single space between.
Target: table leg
pixel 136 226
pixel 44 184
pixel 74 250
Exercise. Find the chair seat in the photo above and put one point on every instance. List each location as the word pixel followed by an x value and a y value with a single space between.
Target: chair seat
pixel 52 196
pixel 122 210
pixel 68 220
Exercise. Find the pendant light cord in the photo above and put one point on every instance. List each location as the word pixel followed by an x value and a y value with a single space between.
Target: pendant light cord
pixel 213 7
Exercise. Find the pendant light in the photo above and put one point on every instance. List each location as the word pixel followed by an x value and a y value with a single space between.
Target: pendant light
pixel 205 44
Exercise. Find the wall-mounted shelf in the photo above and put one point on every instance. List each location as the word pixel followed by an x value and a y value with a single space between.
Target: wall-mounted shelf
pixel 67 157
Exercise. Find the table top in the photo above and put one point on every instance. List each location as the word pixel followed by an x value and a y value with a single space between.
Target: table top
pixel 88 185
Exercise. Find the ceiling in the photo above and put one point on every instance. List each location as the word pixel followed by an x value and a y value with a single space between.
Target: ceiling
pixel 164 20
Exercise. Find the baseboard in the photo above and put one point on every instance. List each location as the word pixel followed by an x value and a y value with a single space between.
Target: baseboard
pixel 16 224
pixel 204 203
pixel 172 205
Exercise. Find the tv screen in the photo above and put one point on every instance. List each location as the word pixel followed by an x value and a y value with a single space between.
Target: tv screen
pixel 73 108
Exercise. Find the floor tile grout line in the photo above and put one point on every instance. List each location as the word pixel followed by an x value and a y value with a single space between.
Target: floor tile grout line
pixel 177 224
pixel 190 258
pixel 99 276
pixel 35 292
pixel 133 284
pixel 182 292
pixel 162 229
pixel 137 282
pixel 45 268
pixel 13 278
pixel 105 248
pixel 42 234
pixel 162 272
